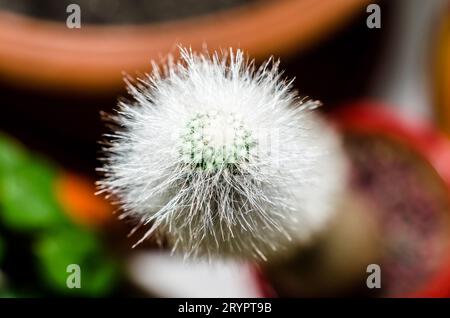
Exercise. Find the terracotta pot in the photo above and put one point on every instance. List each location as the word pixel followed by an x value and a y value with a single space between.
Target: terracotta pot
pixel 47 54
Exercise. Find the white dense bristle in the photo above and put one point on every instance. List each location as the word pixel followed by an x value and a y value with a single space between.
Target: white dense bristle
pixel 222 158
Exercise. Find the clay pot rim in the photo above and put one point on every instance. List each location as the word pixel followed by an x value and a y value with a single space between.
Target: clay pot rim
pixel 422 137
pixel 47 54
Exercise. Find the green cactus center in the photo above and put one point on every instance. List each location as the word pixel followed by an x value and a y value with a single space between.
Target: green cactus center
pixel 216 140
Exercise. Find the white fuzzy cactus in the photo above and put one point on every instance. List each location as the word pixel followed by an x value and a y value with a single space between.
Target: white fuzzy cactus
pixel 222 158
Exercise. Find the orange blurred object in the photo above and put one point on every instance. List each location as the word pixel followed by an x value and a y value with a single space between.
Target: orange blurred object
pixel 77 196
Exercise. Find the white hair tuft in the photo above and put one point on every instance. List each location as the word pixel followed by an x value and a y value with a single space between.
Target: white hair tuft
pixel 223 158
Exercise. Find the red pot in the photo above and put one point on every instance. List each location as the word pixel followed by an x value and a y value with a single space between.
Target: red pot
pixel 430 145
pixel 427 142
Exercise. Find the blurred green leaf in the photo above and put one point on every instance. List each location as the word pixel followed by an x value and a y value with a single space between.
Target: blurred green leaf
pixel 8 294
pixel 2 249
pixel 12 293
pixel 12 154
pixel 27 198
pixel 57 251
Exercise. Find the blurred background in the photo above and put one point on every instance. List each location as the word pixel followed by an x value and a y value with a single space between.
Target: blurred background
pixel 381 68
